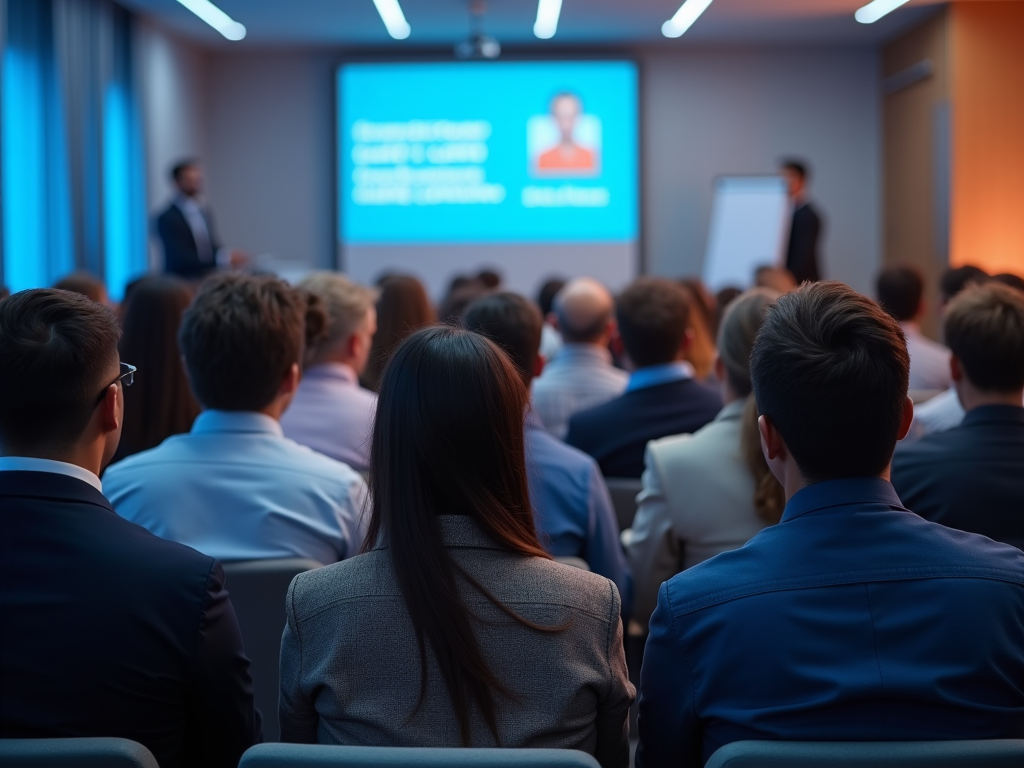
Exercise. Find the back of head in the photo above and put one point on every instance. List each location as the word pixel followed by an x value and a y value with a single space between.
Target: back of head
pixel 56 350
pixel 830 369
pixel 955 279
pixel 402 307
pixel 984 328
pixel 240 338
pixel 160 403
pixel 511 322
pixel 431 457
pixel 584 309
pixel 86 284
pixel 776 278
pixel 546 294
pixel 1008 278
pixel 899 291
pixel 347 305
pixel 653 315
pixel 701 352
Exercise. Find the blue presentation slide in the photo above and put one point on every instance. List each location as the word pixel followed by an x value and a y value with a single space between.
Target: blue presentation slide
pixel 489 152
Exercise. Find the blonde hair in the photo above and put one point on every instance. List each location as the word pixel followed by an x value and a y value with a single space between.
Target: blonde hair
pixel 346 303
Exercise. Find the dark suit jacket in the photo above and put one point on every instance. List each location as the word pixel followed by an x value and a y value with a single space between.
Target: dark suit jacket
pixel 802 253
pixel 111 631
pixel 181 255
pixel 616 433
pixel 971 477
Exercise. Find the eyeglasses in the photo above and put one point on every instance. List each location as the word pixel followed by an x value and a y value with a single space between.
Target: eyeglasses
pixel 126 377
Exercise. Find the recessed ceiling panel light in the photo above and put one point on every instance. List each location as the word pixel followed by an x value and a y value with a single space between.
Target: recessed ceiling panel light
pixel 216 18
pixel 547 18
pixel 873 11
pixel 687 14
pixel 391 13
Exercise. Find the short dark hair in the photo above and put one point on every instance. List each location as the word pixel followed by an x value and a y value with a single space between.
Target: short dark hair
pixel 955 279
pixel 84 283
pixel 797 166
pixel 56 350
pixel 546 294
pixel 830 369
pixel 984 328
pixel 241 335
pixel 183 165
pixel 653 315
pixel 1008 278
pixel 511 322
pixel 899 291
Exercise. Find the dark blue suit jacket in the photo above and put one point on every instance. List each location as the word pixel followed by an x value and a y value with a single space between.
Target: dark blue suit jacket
pixel 616 433
pixel 181 254
pixel 971 477
pixel 852 619
pixel 108 630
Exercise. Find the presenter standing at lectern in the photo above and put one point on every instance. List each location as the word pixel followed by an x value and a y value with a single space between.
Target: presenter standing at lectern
pixel 805 227
pixel 185 228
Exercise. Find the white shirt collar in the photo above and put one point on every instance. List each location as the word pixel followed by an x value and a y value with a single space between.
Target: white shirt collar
pixel 29 464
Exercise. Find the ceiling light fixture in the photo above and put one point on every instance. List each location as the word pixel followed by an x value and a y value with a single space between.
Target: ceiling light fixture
pixel 216 18
pixel 873 11
pixel 391 14
pixel 547 18
pixel 688 13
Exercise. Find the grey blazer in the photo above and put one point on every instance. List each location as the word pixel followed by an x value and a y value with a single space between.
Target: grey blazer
pixel 350 669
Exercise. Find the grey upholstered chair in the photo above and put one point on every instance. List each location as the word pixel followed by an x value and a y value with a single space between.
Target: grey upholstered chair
pixel 319 756
pixel 997 753
pixel 258 589
pixel 624 491
pixel 75 753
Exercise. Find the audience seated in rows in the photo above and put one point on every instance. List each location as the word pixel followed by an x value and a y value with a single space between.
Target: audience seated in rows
pixel 971 477
pixel 107 629
pixel 900 291
pixel 662 398
pixel 160 404
pixel 331 412
pixel 853 619
pixel 402 307
pixel 454 627
pixel 711 491
pixel 573 510
pixel 86 284
pixel 234 487
pixel 581 375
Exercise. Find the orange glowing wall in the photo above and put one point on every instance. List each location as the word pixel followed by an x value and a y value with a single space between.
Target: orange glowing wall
pixel 986 49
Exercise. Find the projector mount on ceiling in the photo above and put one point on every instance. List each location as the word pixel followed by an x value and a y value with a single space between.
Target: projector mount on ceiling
pixel 479 45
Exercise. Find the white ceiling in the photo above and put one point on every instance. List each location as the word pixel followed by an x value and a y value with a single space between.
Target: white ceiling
pixel 437 22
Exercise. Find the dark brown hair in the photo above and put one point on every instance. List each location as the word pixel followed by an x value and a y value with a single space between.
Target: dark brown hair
pixel 448 439
pixel 984 328
pixel 402 307
pixel 513 323
pixel 242 334
pixel 899 290
pixel 84 283
pixel 56 350
pixel 830 369
pixel 653 315
pixel 160 403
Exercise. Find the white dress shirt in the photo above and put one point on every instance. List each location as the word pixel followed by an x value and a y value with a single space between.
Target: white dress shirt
pixel 29 464
pixel 929 360
pixel 196 220
pixel 236 488
pixel 581 376
pixel 332 414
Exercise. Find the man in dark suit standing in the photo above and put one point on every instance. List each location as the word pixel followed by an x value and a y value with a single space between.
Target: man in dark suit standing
pixel 805 228
pixel 191 247
pixel 971 477
pixel 107 629
pixel 661 397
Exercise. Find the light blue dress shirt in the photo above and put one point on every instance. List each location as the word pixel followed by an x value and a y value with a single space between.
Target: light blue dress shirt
pixel 575 516
pixel 332 414
pixel 235 488
pixel 581 376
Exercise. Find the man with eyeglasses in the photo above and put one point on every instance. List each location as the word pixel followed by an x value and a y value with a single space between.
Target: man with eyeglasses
pixel 108 630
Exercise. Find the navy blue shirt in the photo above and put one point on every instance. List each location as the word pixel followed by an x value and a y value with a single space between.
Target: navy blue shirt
pixel 852 619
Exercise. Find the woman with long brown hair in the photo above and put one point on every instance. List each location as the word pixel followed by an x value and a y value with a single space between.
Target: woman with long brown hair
pixel 454 627
pixel 402 308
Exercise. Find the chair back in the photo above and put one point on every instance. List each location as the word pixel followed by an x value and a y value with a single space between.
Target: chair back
pixel 104 752
pixel 995 753
pixel 323 756
pixel 624 491
pixel 258 589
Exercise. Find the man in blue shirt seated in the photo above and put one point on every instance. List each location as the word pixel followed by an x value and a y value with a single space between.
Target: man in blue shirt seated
pixel 853 619
pixel 574 511
pixel 234 487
